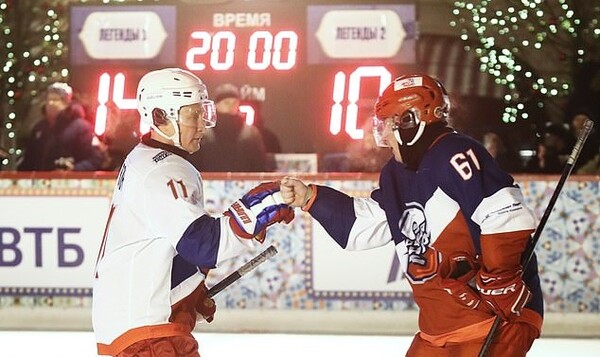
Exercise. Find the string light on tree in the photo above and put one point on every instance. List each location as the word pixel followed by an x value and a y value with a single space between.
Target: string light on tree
pixel 533 48
pixel 33 57
pixel 8 81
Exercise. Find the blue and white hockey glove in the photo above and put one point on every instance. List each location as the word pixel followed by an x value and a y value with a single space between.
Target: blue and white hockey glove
pixel 261 207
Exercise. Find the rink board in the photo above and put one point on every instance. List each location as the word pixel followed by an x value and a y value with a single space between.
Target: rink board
pixel 52 224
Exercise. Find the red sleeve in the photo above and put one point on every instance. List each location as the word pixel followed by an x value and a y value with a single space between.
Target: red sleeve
pixel 502 251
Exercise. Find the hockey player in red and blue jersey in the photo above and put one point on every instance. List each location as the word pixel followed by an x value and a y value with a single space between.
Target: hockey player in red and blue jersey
pixel 458 223
pixel 159 242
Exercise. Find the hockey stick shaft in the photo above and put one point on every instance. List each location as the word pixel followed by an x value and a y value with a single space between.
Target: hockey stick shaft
pixel 243 270
pixel 587 128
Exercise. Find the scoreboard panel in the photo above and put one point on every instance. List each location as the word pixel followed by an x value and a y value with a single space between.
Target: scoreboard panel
pixel 308 70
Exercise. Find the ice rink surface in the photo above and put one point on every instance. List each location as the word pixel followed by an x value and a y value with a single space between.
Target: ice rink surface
pixel 81 344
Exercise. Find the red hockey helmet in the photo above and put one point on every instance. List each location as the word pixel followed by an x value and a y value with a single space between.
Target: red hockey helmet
pixel 413 101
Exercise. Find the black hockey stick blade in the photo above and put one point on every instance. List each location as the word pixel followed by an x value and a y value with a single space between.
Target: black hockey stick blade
pixel 243 270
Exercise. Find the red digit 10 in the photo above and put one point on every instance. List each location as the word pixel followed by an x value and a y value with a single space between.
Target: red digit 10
pixel 339 92
pixel 264 50
pixel 117 98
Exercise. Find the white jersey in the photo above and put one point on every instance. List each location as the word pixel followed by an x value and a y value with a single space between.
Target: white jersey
pixel 158 238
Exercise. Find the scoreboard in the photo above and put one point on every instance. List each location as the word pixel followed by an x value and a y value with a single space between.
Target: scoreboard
pixel 308 70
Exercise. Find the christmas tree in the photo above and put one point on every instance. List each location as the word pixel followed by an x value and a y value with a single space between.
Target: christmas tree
pixel 547 53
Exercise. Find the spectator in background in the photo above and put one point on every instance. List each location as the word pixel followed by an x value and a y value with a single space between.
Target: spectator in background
pixel 505 157
pixel 270 139
pixel 552 151
pixel 558 141
pixel 232 146
pixel 364 155
pixel 121 135
pixel 590 150
pixel 545 161
pixel 63 139
pixel 592 166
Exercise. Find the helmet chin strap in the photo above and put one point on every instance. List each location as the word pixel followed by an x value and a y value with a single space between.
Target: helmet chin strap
pixel 420 130
pixel 176 137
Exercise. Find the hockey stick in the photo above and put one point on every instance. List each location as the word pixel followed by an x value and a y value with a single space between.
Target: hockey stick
pixel 587 128
pixel 243 270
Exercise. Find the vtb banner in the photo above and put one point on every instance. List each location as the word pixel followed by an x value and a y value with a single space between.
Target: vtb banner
pixel 48 243
pixel 50 236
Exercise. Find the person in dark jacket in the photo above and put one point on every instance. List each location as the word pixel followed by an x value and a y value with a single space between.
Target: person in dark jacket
pixel 231 146
pixel 588 157
pixel 502 153
pixel 63 139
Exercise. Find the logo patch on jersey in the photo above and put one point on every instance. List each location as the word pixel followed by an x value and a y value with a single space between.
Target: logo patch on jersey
pixel 408 82
pixel 422 260
pixel 241 211
pixel 161 156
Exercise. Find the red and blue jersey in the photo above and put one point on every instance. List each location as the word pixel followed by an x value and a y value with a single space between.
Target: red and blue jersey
pixel 457 202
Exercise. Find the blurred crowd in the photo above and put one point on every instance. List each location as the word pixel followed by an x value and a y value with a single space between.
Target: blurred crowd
pixel 64 139
pixel 553 146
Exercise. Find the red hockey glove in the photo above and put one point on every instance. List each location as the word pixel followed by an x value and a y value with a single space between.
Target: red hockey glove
pixel 206 306
pixel 462 269
pixel 506 293
pixel 256 210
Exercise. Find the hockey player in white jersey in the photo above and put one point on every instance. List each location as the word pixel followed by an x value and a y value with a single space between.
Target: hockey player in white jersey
pixel 159 242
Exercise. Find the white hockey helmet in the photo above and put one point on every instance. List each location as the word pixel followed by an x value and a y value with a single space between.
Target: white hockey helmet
pixel 168 90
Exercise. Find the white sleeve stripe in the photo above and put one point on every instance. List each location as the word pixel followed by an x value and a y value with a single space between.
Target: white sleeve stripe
pixel 444 208
pixel 230 245
pixel 370 230
pixel 504 211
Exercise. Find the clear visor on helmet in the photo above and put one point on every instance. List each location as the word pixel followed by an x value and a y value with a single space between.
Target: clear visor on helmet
pixel 379 131
pixel 209 113
pixel 382 127
pixel 194 115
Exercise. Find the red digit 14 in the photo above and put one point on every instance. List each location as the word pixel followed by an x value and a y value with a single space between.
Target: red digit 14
pixel 118 89
pixel 117 98
pixel 353 95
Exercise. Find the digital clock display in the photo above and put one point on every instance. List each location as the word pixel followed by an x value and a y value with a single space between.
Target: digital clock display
pixel 308 70
pixel 218 51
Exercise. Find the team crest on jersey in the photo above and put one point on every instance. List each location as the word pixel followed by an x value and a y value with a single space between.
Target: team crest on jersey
pixel 161 156
pixel 421 261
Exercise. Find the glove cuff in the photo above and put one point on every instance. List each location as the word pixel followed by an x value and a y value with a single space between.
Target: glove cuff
pixel 311 198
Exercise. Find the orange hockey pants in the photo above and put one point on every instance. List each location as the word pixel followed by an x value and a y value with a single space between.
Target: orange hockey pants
pixel 175 346
pixel 511 340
